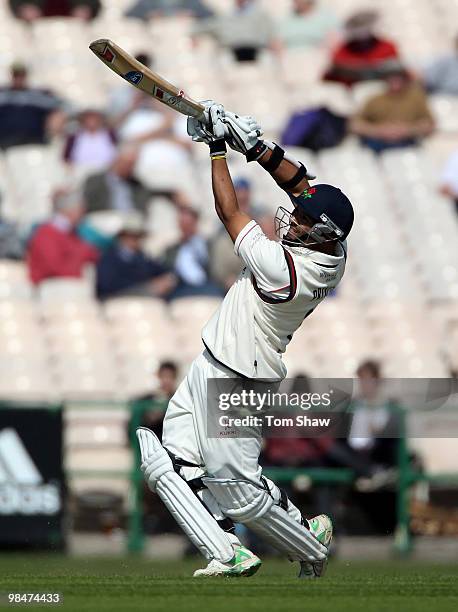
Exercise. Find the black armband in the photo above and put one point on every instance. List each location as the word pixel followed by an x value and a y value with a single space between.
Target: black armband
pixel 297 178
pixel 218 148
pixel 275 159
pixel 257 151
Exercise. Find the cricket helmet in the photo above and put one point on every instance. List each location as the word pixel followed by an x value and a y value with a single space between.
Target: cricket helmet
pixel 328 206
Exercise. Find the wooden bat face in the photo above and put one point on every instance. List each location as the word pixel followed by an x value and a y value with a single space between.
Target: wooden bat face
pixel 141 77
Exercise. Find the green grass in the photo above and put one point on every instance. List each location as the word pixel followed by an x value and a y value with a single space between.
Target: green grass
pixel 137 584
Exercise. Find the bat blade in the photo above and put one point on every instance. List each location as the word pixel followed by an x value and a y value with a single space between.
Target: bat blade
pixel 141 77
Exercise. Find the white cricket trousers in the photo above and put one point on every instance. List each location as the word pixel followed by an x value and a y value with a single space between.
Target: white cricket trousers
pixel 185 428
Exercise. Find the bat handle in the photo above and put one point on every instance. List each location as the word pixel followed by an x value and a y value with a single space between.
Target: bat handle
pixel 202 116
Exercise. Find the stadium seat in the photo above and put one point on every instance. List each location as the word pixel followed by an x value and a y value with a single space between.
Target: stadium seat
pixel 14 281
pixel 195 309
pixel 65 289
pixel 34 171
pixel 445 109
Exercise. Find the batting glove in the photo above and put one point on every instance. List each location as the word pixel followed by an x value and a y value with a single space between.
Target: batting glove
pixel 212 131
pixel 212 127
pixel 242 133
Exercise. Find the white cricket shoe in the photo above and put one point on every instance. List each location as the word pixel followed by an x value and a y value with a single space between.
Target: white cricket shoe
pixel 321 528
pixel 244 563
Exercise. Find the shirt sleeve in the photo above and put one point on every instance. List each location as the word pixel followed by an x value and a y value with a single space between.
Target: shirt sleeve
pixel 266 259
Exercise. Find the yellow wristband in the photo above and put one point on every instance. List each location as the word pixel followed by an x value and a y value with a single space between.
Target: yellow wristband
pixel 213 157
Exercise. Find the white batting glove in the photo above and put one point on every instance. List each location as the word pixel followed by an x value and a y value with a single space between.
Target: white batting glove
pixel 213 128
pixel 242 133
pixel 198 131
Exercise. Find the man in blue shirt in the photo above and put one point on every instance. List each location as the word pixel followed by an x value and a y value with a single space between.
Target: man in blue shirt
pixel 124 269
pixel 26 114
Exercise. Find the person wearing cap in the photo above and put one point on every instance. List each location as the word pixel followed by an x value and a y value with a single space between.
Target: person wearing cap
pixel 363 55
pixel 28 115
pixel 125 269
pixel 55 249
pixel 398 117
pixel 281 284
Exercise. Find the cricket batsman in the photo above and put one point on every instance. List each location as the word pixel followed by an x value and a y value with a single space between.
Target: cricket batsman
pixel 208 484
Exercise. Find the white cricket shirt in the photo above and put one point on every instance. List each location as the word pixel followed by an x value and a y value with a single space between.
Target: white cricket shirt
pixel 278 288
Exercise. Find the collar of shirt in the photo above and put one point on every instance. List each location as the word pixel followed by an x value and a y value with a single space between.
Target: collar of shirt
pixel 62 223
pixel 318 256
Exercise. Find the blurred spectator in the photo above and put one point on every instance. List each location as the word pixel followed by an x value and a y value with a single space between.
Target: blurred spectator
pixel 309 24
pixel 371 417
pixel 441 76
pixel 31 10
pixel 371 445
pixel 399 117
pixel 167 375
pixel 55 250
pixel 247 30
pixel 117 188
pixel 363 55
pixel 161 136
pixel 449 181
pixel 189 258
pixel 148 9
pixel 27 115
pixel 92 145
pixel 124 269
pixel 225 265
pixel 11 244
pixel 153 406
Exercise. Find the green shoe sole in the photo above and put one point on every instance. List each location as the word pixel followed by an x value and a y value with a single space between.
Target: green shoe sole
pixel 245 572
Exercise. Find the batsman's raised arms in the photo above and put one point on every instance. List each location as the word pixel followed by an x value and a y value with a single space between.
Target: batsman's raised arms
pixel 141 77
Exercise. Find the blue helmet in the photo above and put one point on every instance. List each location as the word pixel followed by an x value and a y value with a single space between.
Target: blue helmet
pixel 328 206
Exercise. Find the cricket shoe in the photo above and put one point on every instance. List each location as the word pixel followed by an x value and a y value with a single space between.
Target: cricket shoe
pixel 321 527
pixel 244 563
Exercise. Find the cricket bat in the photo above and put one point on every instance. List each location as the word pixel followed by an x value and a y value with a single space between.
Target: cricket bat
pixel 143 78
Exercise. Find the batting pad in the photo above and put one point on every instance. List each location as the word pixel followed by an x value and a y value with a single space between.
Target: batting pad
pixel 247 503
pixel 193 518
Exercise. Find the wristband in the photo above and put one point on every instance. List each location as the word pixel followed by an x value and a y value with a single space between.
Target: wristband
pixel 257 151
pixel 218 148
